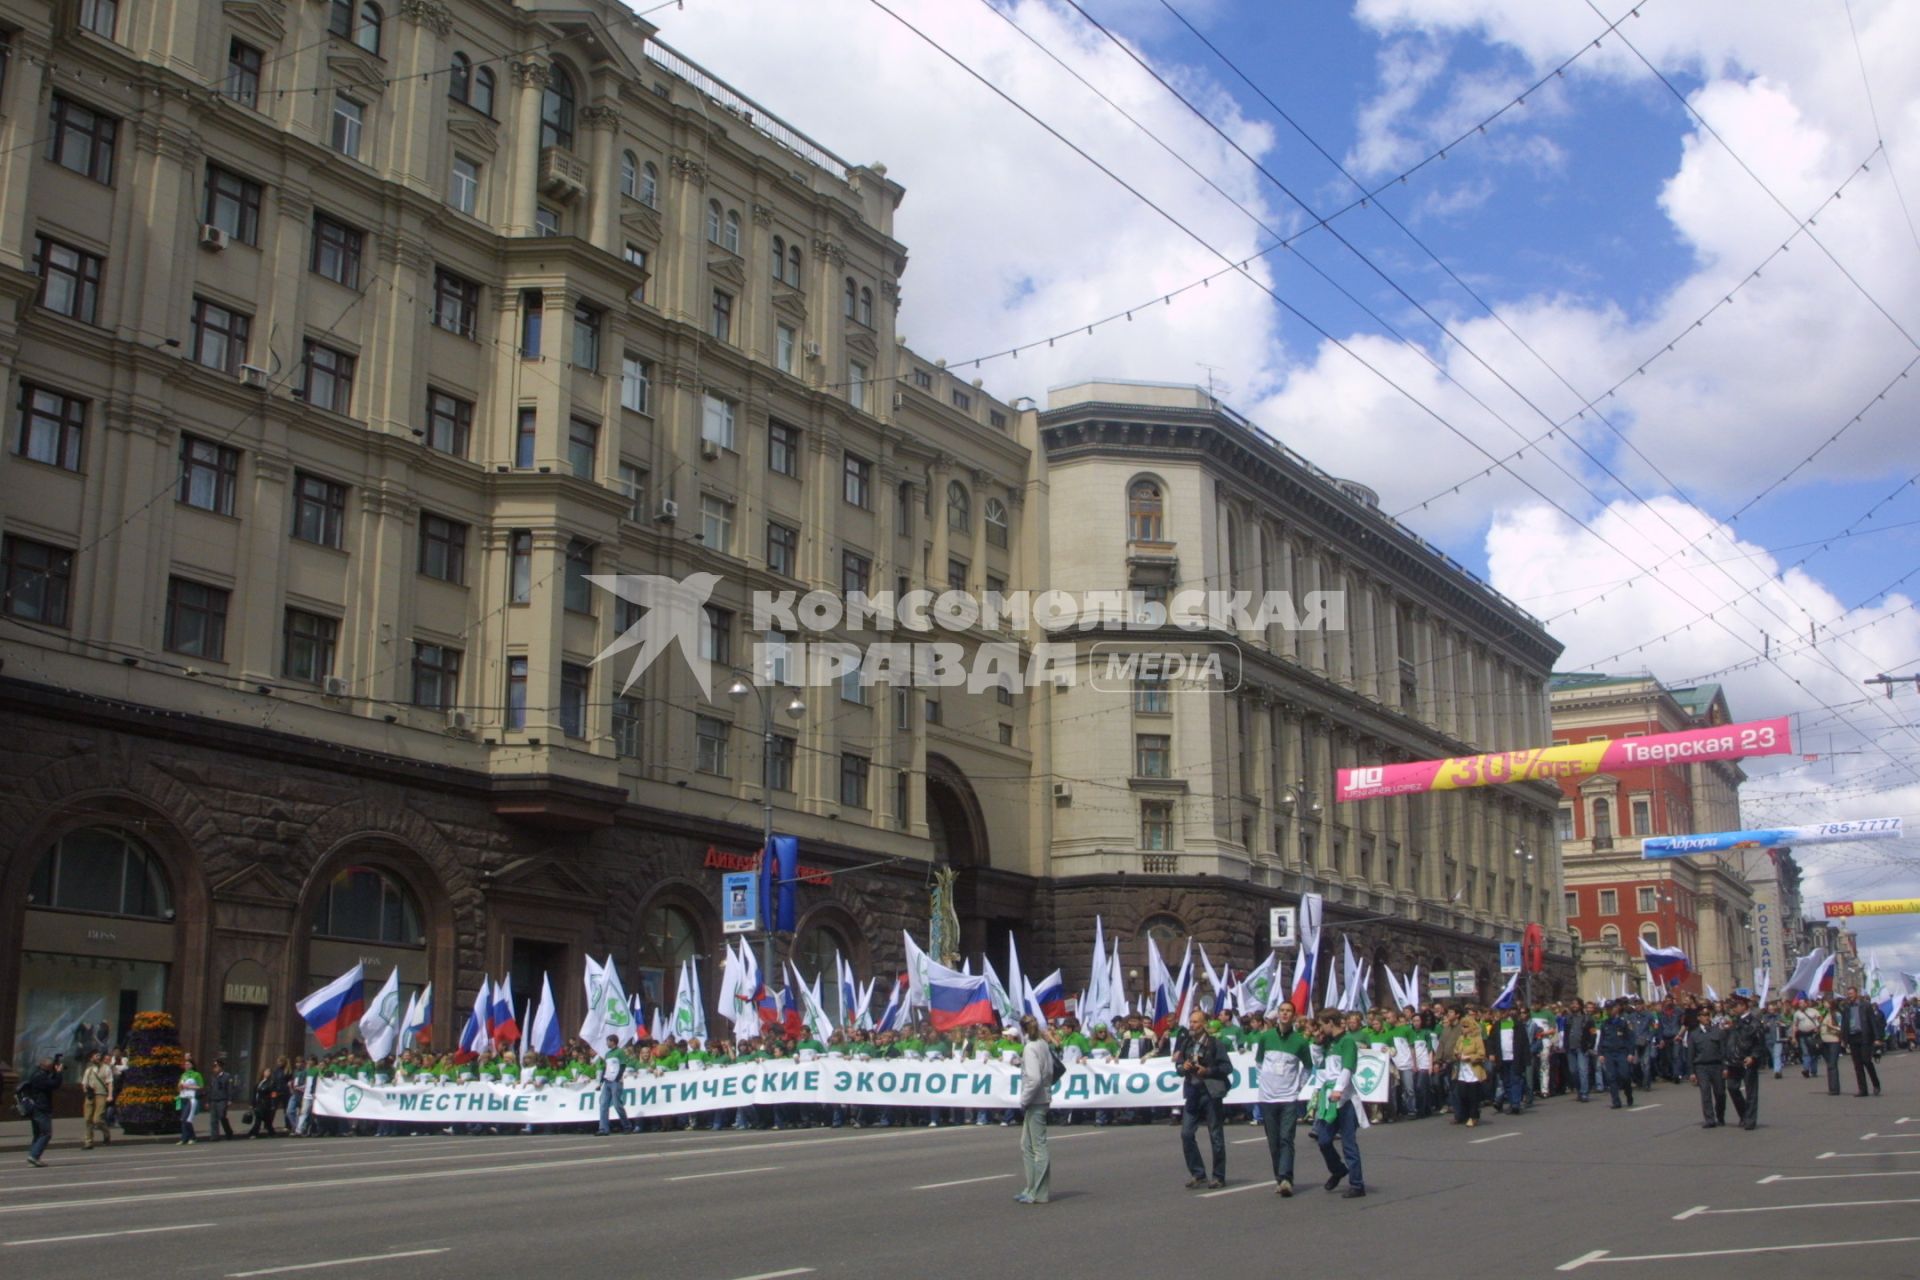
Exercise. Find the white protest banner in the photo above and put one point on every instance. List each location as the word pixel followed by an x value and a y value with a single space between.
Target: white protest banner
pixel 1152 1082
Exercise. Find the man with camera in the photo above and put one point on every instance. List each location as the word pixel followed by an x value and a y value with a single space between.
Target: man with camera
pixel 1205 1071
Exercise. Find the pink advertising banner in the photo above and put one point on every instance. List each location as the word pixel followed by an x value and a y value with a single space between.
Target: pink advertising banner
pixel 1576 760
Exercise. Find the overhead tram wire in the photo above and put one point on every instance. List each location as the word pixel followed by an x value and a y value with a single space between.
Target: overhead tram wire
pixel 1325 334
pixel 1726 146
pixel 1873 112
pixel 1264 171
pixel 1179 96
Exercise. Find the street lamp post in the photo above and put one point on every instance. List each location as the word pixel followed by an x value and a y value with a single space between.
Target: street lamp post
pixel 795 708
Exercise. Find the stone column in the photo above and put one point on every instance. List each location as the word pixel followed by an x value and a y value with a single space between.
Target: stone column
pixel 523 157
pixel 602 120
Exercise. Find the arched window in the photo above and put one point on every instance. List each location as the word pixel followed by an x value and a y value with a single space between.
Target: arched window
pixel 365 904
pixel 793 265
pixel 713 222
pixel 730 235
pixel 1169 935
pixel 996 516
pixel 1603 819
pixel 556 109
pixel 460 78
pixel 1146 513
pixel 482 98
pixel 99 870
pixel 649 185
pixel 816 953
pixel 1610 936
pixel 779 256
pixel 367 35
pixel 668 936
pixel 866 307
pixel 959 507
pixel 851 299
pixel 1233 551
pixel 629 174
pixel 1649 936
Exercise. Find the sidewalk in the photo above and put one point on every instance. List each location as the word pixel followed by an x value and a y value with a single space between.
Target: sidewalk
pixel 69 1133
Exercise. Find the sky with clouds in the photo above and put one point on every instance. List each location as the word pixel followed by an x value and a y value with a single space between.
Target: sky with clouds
pixel 1623 324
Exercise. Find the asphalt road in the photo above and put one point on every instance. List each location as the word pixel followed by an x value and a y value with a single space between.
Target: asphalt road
pixel 1825 1185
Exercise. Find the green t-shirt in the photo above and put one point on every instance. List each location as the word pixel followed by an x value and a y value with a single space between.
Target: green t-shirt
pixel 1076 1040
pixel 1345 1049
pixel 1232 1036
pixel 911 1044
pixel 1271 1041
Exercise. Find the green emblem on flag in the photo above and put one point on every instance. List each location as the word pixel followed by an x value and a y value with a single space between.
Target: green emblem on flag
pixel 1366 1076
pixel 618 1015
pixel 389 1011
pixel 352 1099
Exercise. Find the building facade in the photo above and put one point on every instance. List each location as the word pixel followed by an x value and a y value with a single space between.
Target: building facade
pixel 1616 901
pixel 347 344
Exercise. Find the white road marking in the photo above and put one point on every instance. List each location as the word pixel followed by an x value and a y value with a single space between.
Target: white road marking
pixel 1781 1208
pixel 97 1182
pixel 102 1235
pixel 1233 1191
pixel 1582 1260
pixel 1863 1155
pixel 961 1182
pixel 1904 1120
pixel 1647 1106
pixel 1902 1137
pixel 1601 1255
pixel 424 1175
pixel 722 1173
pixel 1828 1177
pixel 777 1275
pixel 333 1262
pixel 1241 1142
pixel 1495 1138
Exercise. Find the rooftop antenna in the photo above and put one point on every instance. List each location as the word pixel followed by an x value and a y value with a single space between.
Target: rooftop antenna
pixel 1216 385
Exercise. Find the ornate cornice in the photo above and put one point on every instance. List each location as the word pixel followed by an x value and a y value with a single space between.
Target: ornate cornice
pixel 528 72
pixel 431 14
pixel 832 250
pixel 687 166
pixel 600 116
pixel 762 214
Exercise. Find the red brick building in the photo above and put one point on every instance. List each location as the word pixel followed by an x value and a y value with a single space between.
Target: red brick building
pixel 1616 902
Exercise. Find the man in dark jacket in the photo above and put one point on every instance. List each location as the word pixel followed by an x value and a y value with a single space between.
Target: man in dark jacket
pixel 1578 1028
pixel 1618 1055
pixel 1206 1070
pixel 36 1094
pixel 1864 1028
pixel 1706 1055
pixel 222 1092
pixel 1746 1051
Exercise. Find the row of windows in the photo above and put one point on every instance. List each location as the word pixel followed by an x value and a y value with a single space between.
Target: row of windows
pixel 1648 899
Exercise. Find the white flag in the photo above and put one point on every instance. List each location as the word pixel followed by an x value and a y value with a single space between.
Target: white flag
pixel 380 1022
pixel 596 984
pixel 681 1025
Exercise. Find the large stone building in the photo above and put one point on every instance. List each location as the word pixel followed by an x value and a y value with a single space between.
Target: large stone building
pixel 346 343
pixel 1617 901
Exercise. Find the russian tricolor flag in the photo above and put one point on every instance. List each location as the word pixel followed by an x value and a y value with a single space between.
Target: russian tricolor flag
pixel 336 1007
pixel 1050 997
pixel 959 1002
pixel 418 1027
pixel 1665 965
pixel 790 1020
pixel 503 1028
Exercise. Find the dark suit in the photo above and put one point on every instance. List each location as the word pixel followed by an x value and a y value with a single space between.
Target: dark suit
pixel 1862 1023
pixel 1206 1070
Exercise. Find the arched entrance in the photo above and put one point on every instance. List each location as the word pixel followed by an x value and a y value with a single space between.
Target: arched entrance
pixel 958 828
pixel 373 903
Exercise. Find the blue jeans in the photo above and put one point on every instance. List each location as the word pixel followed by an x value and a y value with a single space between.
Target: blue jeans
pixel 1779 1056
pixel 42 1121
pixel 613 1098
pixel 1279 1119
pixel 1345 1164
pixel 1512 1083
pixel 1577 1070
pixel 189 1108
